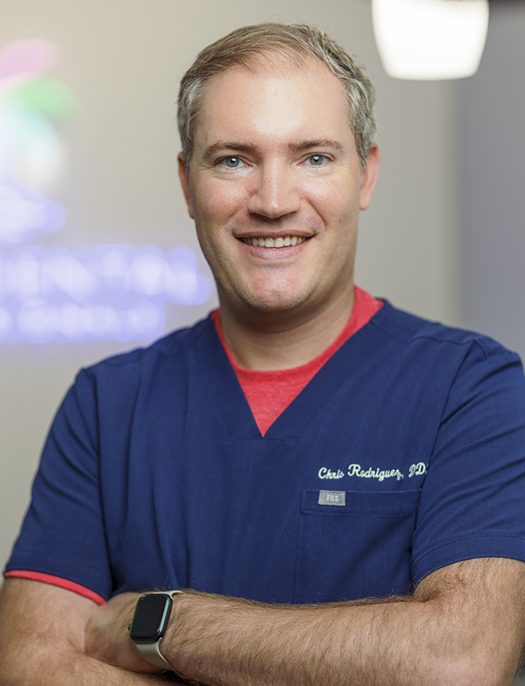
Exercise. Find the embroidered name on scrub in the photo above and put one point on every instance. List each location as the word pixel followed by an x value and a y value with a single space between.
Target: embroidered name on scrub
pixel 325 473
pixel 379 474
pixel 417 469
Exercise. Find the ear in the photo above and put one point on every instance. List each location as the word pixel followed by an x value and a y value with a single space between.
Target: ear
pixel 185 183
pixel 369 177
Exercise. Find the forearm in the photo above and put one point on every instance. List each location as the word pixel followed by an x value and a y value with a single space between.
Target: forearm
pixel 410 641
pixel 227 641
pixel 42 640
pixel 63 668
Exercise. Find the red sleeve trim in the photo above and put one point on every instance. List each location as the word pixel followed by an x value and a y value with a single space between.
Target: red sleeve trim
pixel 57 581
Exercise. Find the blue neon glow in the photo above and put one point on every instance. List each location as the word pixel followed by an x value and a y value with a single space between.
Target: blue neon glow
pixel 113 291
pixel 24 211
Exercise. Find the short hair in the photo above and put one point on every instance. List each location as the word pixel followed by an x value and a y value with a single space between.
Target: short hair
pixel 297 42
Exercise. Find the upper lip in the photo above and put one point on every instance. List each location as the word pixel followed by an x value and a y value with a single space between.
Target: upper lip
pixel 271 234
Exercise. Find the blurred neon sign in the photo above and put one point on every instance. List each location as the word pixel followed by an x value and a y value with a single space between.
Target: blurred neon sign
pixel 112 291
pixel 56 294
pixel 24 211
pixel 31 156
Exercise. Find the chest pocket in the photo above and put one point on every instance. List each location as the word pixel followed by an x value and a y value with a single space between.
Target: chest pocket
pixel 358 549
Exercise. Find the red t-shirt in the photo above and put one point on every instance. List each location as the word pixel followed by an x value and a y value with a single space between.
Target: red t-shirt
pixel 270 392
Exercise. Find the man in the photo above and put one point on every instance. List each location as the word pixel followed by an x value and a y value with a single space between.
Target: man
pixel 337 486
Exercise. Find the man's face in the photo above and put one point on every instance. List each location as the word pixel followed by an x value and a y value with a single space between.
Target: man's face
pixel 275 187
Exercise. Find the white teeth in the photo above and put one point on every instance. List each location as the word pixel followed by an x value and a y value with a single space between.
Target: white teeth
pixel 278 242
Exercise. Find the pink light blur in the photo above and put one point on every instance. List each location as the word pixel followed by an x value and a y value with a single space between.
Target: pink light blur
pixel 32 56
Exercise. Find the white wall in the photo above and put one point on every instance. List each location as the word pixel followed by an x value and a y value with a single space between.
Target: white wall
pixel 123 59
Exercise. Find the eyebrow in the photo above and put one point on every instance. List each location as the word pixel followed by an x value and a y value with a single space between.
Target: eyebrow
pixel 306 144
pixel 297 146
pixel 223 146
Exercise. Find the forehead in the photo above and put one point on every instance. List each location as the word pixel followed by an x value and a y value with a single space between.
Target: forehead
pixel 276 96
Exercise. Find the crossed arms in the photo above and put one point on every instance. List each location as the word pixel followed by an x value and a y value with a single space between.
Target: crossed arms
pixel 464 625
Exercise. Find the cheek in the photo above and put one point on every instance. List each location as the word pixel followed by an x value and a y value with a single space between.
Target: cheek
pixel 337 212
pixel 215 202
pixel 337 201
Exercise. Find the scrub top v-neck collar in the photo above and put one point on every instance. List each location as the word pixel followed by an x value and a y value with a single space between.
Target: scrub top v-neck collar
pixel 303 410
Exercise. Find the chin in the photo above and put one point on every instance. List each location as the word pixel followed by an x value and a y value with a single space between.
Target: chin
pixel 275 303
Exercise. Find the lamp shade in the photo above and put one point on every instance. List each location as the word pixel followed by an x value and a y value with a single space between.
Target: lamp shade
pixel 430 39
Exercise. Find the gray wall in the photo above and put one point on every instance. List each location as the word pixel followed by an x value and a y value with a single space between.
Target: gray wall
pixel 123 59
pixel 492 158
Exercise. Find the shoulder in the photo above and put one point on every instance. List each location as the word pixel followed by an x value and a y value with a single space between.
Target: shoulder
pixel 416 332
pixel 176 345
pixel 462 364
pixel 120 377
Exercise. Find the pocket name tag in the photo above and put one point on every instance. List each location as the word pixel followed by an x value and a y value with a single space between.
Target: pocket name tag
pixel 337 498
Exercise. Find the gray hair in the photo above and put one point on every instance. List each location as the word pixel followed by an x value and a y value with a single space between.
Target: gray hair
pixel 295 41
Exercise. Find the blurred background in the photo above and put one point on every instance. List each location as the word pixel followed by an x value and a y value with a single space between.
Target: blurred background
pixel 97 252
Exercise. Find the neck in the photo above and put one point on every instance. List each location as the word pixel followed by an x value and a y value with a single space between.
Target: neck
pixel 270 341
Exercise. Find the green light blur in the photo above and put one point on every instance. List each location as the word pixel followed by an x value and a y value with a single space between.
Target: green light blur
pixel 47 96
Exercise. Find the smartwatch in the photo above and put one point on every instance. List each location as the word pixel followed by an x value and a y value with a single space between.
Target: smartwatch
pixel 149 625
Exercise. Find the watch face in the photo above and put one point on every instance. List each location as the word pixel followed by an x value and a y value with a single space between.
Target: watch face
pixel 151 617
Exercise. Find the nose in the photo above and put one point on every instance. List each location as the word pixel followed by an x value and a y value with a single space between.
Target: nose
pixel 275 193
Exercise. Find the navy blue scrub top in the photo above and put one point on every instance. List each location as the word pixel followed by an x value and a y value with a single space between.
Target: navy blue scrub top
pixel 405 453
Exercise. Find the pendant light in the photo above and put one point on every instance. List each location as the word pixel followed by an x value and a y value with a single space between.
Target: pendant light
pixel 430 39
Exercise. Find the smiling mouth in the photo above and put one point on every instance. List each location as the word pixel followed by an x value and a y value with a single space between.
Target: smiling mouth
pixel 279 242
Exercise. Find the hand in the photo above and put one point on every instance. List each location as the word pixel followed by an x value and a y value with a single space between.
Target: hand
pixel 107 636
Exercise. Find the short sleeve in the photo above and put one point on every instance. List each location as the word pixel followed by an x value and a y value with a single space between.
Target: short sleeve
pixel 473 497
pixel 63 532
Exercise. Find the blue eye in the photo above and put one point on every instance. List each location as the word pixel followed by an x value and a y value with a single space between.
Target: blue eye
pixel 317 160
pixel 232 162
